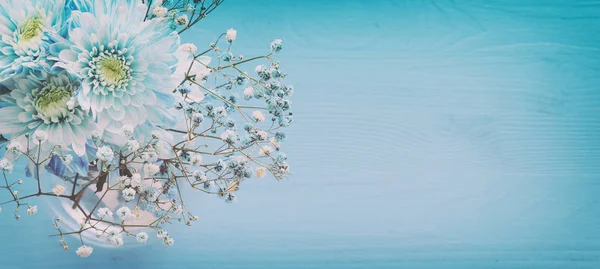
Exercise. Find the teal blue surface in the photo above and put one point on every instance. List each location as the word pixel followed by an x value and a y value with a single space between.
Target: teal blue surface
pixel 428 134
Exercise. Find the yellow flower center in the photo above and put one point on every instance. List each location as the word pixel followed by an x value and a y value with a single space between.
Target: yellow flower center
pixel 31 27
pixel 51 101
pixel 112 70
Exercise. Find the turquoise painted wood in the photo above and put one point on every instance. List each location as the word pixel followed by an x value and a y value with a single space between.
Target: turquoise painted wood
pixel 428 134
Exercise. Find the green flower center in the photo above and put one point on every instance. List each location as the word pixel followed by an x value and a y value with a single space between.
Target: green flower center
pixel 31 27
pixel 112 70
pixel 51 100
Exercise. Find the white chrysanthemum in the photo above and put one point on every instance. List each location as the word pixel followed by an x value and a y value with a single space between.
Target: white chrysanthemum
pixel 84 251
pixel 37 104
pixel 231 35
pixel 58 190
pixel 105 154
pixel 142 237
pixel 125 64
pixel 261 172
pixel 24 43
pixel 258 116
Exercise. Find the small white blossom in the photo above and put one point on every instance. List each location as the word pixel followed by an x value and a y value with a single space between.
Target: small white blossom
pixel 15 147
pixel 129 194
pixel 196 159
pixel 160 11
pixel 115 237
pixel 168 241
pixel 105 154
pixel 161 233
pixel 182 20
pixel 190 8
pixel 124 213
pixel 261 172
pixel 20 181
pixel 249 92
pixel 124 181
pixel 40 135
pixel 228 136
pixel 84 251
pixel 6 166
pixel 189 48
pixel 151 169
pixel 132 145
pixel 262 135
pixel 142 237
pixel 258 116
pixel 15 193
pixel 259 68
pixel 58 190
pixel 127 130
pixel 136 180
pixel 104 212
pixel 32 210
pixel 231 35
pixel 265 150
pixel 197 117
pixel 220 111
pixel 96 135
pixel 276 45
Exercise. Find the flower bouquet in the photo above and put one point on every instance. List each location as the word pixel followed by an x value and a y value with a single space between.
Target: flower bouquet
pixel 108 113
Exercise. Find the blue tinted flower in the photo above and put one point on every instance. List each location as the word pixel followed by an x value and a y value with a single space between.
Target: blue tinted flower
pixel 43 103
pixel 125 64
pixel 24 25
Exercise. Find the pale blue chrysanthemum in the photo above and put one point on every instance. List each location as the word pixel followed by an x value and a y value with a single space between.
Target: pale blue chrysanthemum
pixel 24 25
pixel 126 64
pixel 41 102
